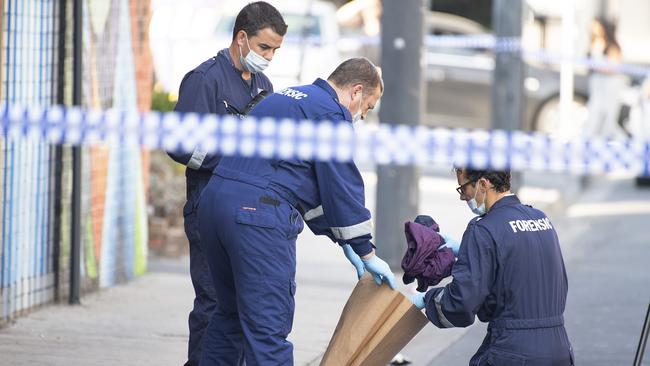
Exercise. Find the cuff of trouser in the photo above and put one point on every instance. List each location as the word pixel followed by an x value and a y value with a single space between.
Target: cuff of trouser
pixel 362 248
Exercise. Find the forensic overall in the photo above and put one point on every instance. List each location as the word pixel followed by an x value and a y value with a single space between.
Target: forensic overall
pixel 217 87
pixel 510 273
pixel 250 214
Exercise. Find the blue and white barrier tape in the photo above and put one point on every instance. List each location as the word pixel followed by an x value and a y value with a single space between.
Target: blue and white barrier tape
pixel 326 141
pixel 486 41
pixel 482 41
pixel 590 63
pixel 513 44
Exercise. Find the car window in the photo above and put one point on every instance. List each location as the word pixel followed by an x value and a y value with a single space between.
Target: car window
pixel 299 26
pixel 225 26
pixel 464 51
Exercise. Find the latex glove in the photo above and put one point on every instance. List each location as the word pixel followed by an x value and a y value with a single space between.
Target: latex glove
pixel 418 299
pixel 354 259
pixel 379 270
pixel 450 243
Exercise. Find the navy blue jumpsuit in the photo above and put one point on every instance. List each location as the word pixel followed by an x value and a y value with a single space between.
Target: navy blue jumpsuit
pixel 216 87
pixel 510 273
pixel 250 214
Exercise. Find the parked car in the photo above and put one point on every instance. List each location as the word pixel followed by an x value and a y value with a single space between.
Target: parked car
pixel 184 36
pixel 309 49
pixel 181 37
pixel 459 82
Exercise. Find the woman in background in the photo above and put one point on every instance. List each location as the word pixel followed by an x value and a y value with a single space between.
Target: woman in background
pixel 605 84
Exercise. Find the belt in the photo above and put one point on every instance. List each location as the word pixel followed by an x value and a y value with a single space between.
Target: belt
pixel 269 201
pixel 551 322
pixel 198 174
pixel 258 182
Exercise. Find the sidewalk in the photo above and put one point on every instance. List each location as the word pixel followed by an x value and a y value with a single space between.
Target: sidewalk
pixel 141 323
pixel 144 322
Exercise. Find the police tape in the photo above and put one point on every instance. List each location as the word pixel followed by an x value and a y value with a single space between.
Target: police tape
pixel 593 64
pixel 325 141
pixel 513 44
pixel 443 43
pixel 480 41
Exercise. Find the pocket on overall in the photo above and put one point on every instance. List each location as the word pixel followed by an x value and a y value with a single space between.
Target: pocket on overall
pixel 292 306
pixel 296 225
pixel 191 222
pixel 499 357
pixel 267 306
pixel 258 234
pixel 256 218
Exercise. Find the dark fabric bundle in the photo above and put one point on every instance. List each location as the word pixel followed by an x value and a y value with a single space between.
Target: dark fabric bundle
pixel 423 261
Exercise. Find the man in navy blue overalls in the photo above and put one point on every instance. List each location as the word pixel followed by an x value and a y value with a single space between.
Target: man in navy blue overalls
pixel 252 210
pixel 510 273
pixel 224 84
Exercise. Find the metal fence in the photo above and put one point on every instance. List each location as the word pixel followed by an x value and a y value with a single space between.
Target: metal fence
pixel 36 178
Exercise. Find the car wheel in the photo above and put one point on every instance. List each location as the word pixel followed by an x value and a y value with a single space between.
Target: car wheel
pixel 548 118
pixel 643 181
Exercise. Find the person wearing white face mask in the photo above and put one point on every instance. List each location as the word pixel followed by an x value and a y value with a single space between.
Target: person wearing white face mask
pixel 509 273
pixel 253 62
pixel 225 84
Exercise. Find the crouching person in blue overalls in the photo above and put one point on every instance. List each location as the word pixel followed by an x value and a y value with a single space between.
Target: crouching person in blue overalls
pixel 510 273
pixel 252 210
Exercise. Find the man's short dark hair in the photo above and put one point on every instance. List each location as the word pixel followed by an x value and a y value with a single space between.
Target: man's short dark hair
pixel 259 15
pixel 357 71
pixel 500 179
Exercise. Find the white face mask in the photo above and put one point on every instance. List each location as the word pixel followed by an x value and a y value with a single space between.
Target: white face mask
pixel 356 119
pixel 473 205
pixel 252 62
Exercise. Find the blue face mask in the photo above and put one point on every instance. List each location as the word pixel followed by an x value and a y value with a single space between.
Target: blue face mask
pixel 473 205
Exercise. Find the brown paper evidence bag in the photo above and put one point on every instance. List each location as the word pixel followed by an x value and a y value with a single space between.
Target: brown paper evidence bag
pixel 375 325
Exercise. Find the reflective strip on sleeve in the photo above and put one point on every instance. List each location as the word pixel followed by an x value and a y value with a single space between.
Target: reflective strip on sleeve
pixel 443 319
pixel 313 213
pixel 354 231
pixel 197 159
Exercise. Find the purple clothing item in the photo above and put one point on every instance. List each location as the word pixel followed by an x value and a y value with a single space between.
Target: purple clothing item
pixel 423 261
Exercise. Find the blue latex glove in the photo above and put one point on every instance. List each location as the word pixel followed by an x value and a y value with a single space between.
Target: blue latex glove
pixel 450 243
pixel 380 271
pixel 354 259
pixel 418 299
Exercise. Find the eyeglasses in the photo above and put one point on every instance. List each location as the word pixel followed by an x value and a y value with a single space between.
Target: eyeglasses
pixel 461 187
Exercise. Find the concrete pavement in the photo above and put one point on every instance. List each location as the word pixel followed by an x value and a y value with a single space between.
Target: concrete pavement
pixel 141 323
pixel 144 322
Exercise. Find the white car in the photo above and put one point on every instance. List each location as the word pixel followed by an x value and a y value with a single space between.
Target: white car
pixel 183 36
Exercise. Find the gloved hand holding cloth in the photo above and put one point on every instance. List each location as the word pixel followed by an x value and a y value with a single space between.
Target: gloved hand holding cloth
pixel 425 260
pixel 450 243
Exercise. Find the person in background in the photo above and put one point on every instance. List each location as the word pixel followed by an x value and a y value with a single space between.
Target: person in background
pixel 224 84
pixel 605 84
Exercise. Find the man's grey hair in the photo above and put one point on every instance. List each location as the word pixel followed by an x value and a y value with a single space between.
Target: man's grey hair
pixel 355 71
